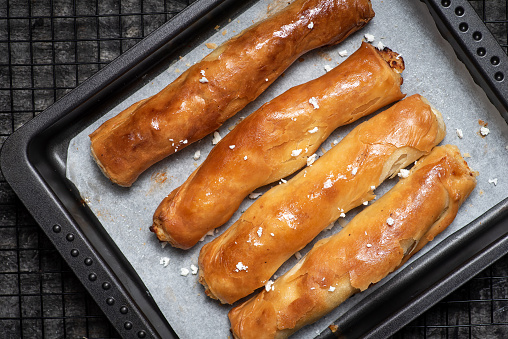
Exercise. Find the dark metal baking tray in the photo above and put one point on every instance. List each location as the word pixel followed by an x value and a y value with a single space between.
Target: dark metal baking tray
pixel 33 162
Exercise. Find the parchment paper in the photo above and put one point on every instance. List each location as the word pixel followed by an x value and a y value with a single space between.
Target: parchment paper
pixel 432 70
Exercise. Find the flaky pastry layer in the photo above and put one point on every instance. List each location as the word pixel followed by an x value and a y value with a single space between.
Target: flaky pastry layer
pixel 213 90
pixel 373 244
pixel 275 141
pixel 290 215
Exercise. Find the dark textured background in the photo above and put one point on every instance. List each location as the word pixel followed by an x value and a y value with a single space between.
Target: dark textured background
pixel 49 47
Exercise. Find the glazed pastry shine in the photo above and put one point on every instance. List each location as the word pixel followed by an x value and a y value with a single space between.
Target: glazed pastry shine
pixel 375 243
pixel 275 141
pixel 213 90
pixel 289 216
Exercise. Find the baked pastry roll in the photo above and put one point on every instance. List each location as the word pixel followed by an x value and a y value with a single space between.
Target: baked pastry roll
pixel 213 90
pixel 275 141
pixel 289 216
pixel 374 243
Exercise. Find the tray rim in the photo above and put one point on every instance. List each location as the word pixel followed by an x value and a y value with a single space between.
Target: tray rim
pixel 22 171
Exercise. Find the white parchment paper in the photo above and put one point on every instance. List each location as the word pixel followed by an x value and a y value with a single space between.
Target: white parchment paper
pixel 432 70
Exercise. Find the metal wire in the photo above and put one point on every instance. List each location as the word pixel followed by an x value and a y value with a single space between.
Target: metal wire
pixel 47 49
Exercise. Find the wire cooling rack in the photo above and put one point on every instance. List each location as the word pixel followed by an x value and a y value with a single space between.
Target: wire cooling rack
pixel 48 48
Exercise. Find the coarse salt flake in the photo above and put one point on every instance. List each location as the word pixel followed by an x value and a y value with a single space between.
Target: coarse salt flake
pixel 354 170
pixel 343 53
pixel 331 289
pixel 313 102
pixel 369 245
pixel 283 181
pixel 216 138
pixel 269 286
pixel 403 173
pixel 231 146
pixel 184 271
pixel 245 158
pixel 197 155
pixel 273 235
pixel 328 68
pixel 484 131
pixel 311 25
pixel 241 267
pixel 365 203
pixel 372 187
pixel 460 134
pixel 296 152
pixel 343 215
pixel 298 255
pixel 390 221
pixel 311 159
pixel 380 46
pixel 328 183
pixel 202 72
pixel 493 181
pixel 194 269
pixel 203 80
pixel 314 130
pixel 260 232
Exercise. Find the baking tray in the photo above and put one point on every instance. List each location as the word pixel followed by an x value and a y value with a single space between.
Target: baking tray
pixel 33 162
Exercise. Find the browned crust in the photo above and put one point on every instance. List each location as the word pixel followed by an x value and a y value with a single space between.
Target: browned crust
pixel 298 210
pixel 361 85
pixel 364 252
pixel 187 109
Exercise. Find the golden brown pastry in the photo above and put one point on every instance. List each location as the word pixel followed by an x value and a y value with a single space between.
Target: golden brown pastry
pixel 275 141
pixel 226 80
pixel 376 242
pixel 289 216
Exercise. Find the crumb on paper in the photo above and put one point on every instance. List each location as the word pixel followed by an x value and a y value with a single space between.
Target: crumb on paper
pixel 311 159
pixel 184 271
pixel 163 244
pixel 314 103
pixel 216 138
pixel 493 181
pixel 164 261
pixel 329 227
pixel 254 195
pixel 484 131
pixel 194 269
pixel 403 173
pixel 197 155
pixel 343 53
pixel 467 155
pixel 211 45
pixel 369 37
pixel 224 32
pixel 314 130
pixel 210 233
pixel 298 255
pixel 460 134
pixel 217 27
pixel 333 328
pixel 328 68
pixel 269 286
